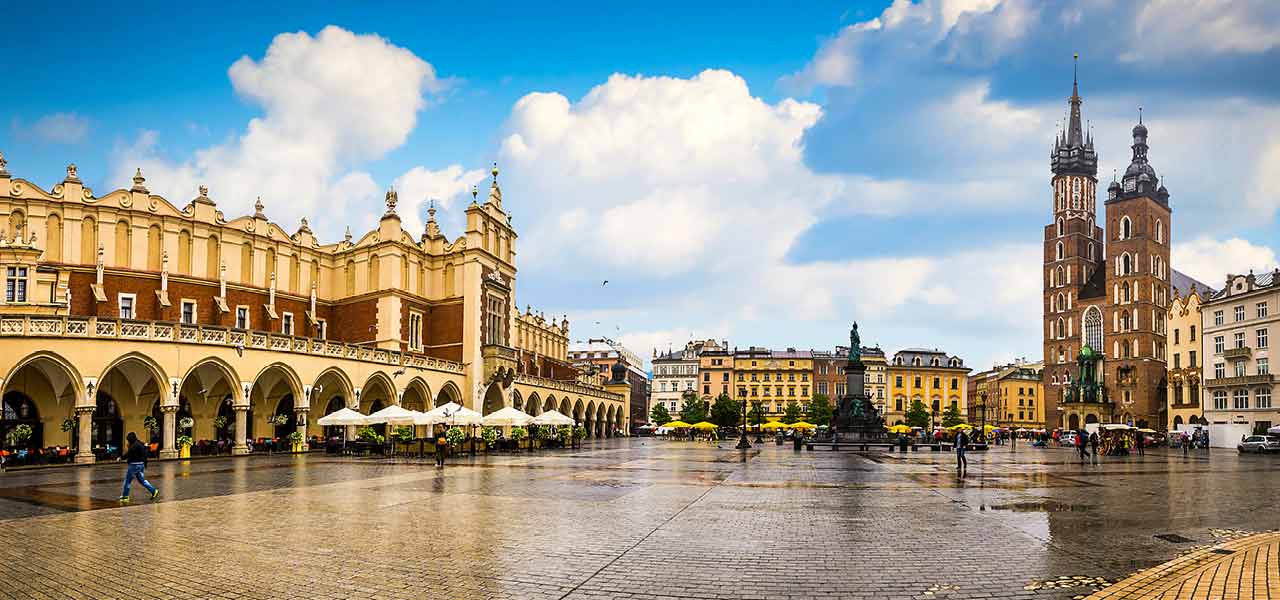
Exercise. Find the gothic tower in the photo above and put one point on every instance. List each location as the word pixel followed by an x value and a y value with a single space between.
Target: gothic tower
pixel 1138 230
pixel 1073 251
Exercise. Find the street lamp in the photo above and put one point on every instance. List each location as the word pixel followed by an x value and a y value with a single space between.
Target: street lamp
pixel 743 444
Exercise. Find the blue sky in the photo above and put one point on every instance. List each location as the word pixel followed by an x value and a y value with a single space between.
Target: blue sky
pixel 750 171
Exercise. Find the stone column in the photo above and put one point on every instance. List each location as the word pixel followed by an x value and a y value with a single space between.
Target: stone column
pixel 169 448
pixel 242 426
pixel 300 415
pixel 84 454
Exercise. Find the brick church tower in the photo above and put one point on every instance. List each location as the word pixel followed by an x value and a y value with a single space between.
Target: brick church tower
pixel 1138 226
pixel 1111 299
pixel 1073 253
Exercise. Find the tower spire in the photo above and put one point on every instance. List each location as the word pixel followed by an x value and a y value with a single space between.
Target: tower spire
pixel 1075 135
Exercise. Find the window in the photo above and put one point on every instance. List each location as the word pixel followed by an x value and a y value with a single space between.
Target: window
pixel 415 330
pixel 1239 313
pixel 1177 361
pixel 1239 370
pixel 955 383
pixel 1264 366
pixel 706 376
pixel 1262 338
pixel 1219 400
pixel 937 382
pixel 791 376
pixel 15 284
pixel 1262 309
pixel 706 389
pixel 1240 399
pixel 1058 251
pixel 188 312
pixel 1175 336
pixel 1193 333
pixel 897 380
pixel 1239 339
pixel 1059 226
pixel 1126 228
pixel 1191 359
pixel 766 377
pixel 1217 317
pixel 126 302
pixel 1219 344
pixel 1263 396
pixel 286 323
pixel 242 317
pixel 917 381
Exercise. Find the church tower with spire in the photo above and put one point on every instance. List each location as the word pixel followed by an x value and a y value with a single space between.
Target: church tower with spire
pixel 1073 249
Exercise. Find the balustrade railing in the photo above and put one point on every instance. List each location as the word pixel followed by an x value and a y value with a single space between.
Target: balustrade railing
pixel 160 331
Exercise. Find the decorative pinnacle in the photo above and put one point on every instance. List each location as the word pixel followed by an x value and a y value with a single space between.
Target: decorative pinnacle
pixel 347 236
pixel 204 191
pixel 3 165
pixel 431 210
pixel 71 173
pixel 139 182
pixel 495 171
pixel 1139 115
pixel 257 208
pixel 392 200
pixel 474 192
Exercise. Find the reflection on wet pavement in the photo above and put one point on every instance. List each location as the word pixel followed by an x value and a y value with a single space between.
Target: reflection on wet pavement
pixel 643 518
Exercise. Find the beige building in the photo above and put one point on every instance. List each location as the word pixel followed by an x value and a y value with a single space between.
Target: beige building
pixel 1184 380
pixel 930 376
pixel 773 378
pixel 1009 395
pixel 1239 323
pixel 124 305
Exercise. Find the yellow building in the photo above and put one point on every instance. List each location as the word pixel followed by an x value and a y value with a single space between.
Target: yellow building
pixel 930 376
pixel 1009 395
pixel 774 378
pixel 715 372
pixel 877 379
pixel 1182 405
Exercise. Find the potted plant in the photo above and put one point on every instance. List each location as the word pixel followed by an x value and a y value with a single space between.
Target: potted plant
pixel 280 419
pixel 579 432
pixel 295 442
pixel 186 423
pixel 69 424
pixel 542 434
pixel 219 422
pixel 564 433
pixel 490 436
pixel 518 434
pixel 18 436
pixel 455 436
pixel 184 446
pixel 369 434
pixel 405 434
pixel 151 425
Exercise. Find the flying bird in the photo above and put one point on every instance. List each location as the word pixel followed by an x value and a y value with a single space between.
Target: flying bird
pixel 606 282
pixel 398 372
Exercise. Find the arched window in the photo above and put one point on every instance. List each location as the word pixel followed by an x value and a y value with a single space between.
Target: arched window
pixel 53 238
pixel 246 263
pixel 184 252
pixel 1057 276
pixel 295 273
pixel 1060 328
pixel 271 268
pixel 1126 264
pixel 350 277
pixel 124 254
pixel 1059 251
pixel 1091 251
pixel 213 258
pixel 375 272
pixel 1160 231
pixel 1060 228
pixel 1126 228
pixel 155 241
pixel 1124 320
pixel 1093 327
pixel 89 241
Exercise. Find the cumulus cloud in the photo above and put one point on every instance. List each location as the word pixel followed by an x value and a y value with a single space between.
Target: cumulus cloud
pixel 330 102
pixel 1210 260
pixel 663 174
pixel 56 128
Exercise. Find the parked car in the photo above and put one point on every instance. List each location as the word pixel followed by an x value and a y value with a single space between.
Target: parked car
pixel 1259 444
pixel 1067 439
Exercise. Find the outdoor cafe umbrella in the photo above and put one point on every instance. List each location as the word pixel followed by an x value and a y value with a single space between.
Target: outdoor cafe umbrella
pixel 705 426
pixel 1274 430
pixel 507 417
pixel 465 416
pixel 900 429
pixel 552 418
pixel 1114 426
pixel 774 425
pixel 392 414
pixel 803 425
pixel 341 417
pixel 677 425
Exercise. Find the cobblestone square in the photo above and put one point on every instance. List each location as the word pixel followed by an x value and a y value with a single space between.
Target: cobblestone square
pixel 627 518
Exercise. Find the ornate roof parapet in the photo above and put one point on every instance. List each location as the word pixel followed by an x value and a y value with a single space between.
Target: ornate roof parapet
pixel 304 228
pixel 392 199
pixel 72 176
pixel 4 164
pixel 204 198
pixel 139 183
pixel 257 209
pixel 432 230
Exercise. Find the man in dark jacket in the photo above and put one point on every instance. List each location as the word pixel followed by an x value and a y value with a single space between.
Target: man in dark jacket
pixel 962 444
pixel 136 456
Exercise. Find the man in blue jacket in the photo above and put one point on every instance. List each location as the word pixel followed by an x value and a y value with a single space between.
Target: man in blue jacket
pixel 136 456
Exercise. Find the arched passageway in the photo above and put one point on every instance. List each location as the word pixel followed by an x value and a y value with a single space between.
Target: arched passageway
pixel 493 401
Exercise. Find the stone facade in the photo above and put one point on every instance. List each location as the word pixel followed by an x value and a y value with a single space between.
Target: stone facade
pixel 929 376
pixel 124 306
pixel 1239 323
pixel 1185 364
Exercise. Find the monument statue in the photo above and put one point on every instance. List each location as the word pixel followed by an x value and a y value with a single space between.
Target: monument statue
pixel 855 344
pixel 856 416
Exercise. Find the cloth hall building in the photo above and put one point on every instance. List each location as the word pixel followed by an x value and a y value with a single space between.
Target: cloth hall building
pixel 1107 290
pixel 124 305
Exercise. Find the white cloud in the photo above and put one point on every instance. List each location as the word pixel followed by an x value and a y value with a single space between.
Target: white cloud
pixel 330 102
pixel 1210 260
pixel 1176 28
pixel 56 128
pixel 420 185
pixel 662 174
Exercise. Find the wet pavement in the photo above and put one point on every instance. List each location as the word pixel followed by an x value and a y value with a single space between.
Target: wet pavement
pixel 630 518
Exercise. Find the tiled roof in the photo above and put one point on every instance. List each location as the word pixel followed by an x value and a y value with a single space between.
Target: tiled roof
pixel 1181 284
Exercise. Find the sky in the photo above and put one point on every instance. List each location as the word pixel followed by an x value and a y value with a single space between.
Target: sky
pixel 757 172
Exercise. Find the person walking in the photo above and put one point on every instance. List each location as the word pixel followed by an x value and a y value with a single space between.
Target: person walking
pixel 1081 446
pixel 442 445
pixel 136 457
pixel 1094 439
pixel 1141 440
pixel 962 444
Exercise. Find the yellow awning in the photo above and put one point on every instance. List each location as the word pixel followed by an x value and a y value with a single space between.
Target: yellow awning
pixel 677 424
pixel 803 425
pixel 705 426
pixel 900 429
pixel 774 425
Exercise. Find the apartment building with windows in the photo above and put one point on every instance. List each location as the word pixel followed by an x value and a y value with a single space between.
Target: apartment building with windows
pixel 1239 323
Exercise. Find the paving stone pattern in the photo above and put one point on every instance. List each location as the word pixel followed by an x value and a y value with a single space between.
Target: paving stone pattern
pixel 634 518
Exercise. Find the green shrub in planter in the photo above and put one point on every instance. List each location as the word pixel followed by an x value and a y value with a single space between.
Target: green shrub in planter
pixel 369 434
pixel 489 435
pixel 295 437
pixel 186 423
pixel 150 424
pixel 68 424
pixel 219 422
pixel 404 433
pixel 563 433
pixel 579 432
pixel 519 434
pixel 18 435
pixel 455 436
pixel 542 433
pixel 184 440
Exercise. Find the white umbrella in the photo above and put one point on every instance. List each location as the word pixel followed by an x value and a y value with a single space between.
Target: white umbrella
pixel 465 416
pixel 1115 426
pixel 451 413
pixel 1274 430
pixel 391 414
pixel 552 417
pixel 340 417
pixel 508 416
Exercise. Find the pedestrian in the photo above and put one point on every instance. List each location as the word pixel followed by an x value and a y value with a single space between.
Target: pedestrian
pixel 136 457
pixel 962 444
pixel 1080 445
pixel 1186 444
pixel 1094 439
pixel 1141 440
pixel 442 444
pixel 1013 440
